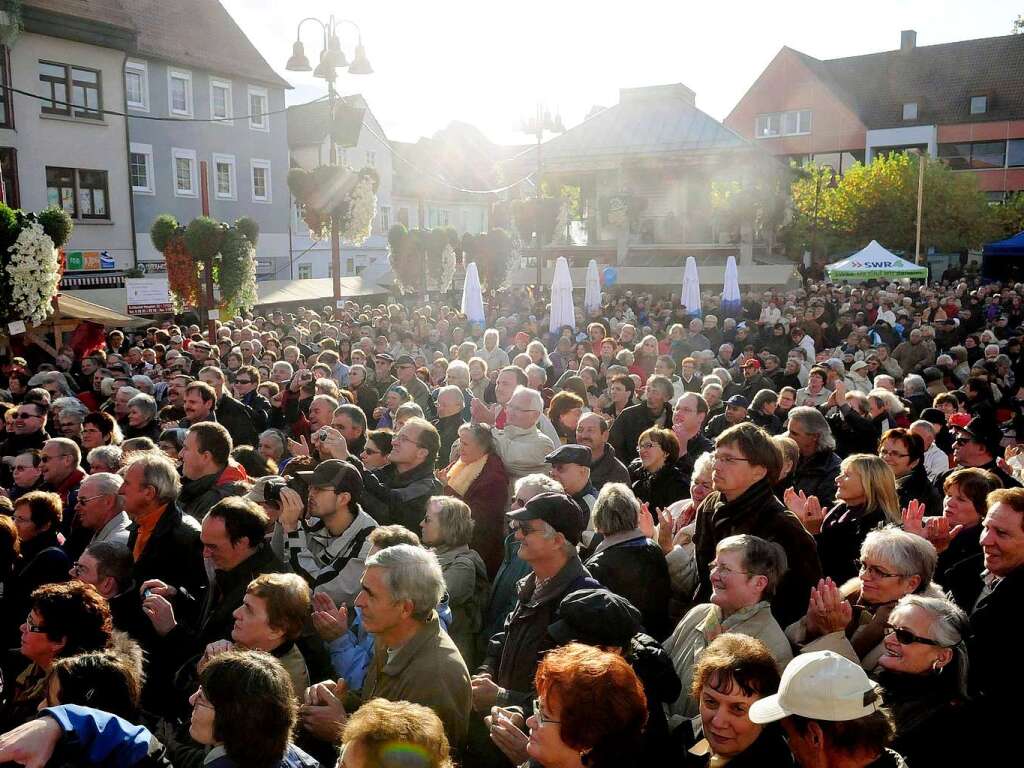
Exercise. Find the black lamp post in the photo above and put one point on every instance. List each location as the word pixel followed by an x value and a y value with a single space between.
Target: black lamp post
pixel 536 127
pixel 332 58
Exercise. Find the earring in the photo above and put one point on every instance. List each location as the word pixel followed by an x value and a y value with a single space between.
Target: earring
pixel 936 667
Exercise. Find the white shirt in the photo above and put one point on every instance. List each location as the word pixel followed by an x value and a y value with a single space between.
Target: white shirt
pixel 935 461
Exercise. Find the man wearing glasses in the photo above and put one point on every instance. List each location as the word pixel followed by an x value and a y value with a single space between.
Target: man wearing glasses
pixel 747 463
pixel 978 444
pixel 246 387
pixel 29 431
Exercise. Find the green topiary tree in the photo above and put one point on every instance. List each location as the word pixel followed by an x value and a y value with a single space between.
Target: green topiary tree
pixel 56 224
pixel 203 237
pixel 163 229
pixel 249 228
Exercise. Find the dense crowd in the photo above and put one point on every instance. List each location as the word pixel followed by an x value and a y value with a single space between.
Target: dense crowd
pixel 387 536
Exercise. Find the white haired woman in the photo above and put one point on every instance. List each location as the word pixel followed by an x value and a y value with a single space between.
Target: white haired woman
pixel 851 620
pixel 923 674
pixel 448 529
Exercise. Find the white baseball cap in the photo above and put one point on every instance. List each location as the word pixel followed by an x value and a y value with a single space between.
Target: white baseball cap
pixel 819 686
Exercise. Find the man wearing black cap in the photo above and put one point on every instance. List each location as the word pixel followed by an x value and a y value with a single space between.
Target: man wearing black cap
pixel 978 444
pixel 548 530
pixel 405 367
pixel 329 546
pixel 570 465
pixel 735 413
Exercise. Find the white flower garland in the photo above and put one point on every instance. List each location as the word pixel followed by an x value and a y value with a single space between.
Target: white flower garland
pixel 362 209
pixel 34 269
pixel 444 280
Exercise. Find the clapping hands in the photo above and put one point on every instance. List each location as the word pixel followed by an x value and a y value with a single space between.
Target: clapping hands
pixel 828 611
pixel 329 621
pixel 805 507
pixel 938 530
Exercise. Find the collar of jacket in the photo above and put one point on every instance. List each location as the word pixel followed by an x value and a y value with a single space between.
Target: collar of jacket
pixel 193 489
pixel 620 538
pixel 260 561
pixel 530 596
pixel 714 617
pixel 69 482
pixel 427 637
pixel 513 432
pixel 753 501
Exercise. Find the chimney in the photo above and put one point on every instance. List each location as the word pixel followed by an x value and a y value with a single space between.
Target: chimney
pixel 908 40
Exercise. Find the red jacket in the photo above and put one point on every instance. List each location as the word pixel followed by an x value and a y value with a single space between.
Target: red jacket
pixel 488 500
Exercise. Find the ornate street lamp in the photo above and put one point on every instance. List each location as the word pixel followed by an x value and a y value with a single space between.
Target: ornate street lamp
pixel 332 58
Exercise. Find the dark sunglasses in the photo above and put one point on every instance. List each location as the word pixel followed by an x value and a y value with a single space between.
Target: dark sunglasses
pixel 906 637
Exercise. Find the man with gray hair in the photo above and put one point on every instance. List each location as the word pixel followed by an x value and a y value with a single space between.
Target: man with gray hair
pixel 414 659
pixel 450 405
pixel 816 473
pixel 100 510
pixel 935 459
pixel 521 445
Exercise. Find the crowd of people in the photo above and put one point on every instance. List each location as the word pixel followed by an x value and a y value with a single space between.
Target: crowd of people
pixel 387 536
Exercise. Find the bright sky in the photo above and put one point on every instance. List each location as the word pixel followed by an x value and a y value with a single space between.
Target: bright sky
pixel 488 63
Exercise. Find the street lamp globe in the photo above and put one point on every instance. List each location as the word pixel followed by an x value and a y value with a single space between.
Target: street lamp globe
pixel 360 64
pixel 298 62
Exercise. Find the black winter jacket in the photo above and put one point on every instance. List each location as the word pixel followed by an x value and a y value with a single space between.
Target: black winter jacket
pixel 394 497
pixel 816 476
pixel 842 532
pixel 660 489
pixel 636 570
pixel 630 424
pixel 513 654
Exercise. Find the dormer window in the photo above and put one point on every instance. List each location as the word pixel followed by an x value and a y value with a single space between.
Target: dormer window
pixel 910 110
pixel 979 105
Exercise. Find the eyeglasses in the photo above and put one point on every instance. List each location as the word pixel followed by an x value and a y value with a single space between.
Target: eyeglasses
pixel 371 451
pixel 727 460
pixel 893 455
pixel 961 440
pixel 24 415
pixel 35 629
pixel 647 446
pixel 201 700
pixel 875 571
pixel 725 570
pixel 906 637
pixel 521 410
pixel 516 525
pixel 243 381
pixel 87 499
pixel 77 569
pixel 540 715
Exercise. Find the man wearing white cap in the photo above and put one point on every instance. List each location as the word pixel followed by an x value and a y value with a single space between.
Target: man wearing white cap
pixel 832 714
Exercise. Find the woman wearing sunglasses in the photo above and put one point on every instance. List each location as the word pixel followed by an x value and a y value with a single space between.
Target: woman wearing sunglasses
pixel 851 619
pixel 923 674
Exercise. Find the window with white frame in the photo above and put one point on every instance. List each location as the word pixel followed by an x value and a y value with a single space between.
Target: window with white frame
pixel 910 110
pixel 385 219
pixel 979 105
pixel 260 175
pixel 183 171
pixel 136 85
pixel 220 99
pixel 179 92
pixel 224 177
pixel 792 123
pixel 258 108
pixel 305 271
pixel 371 158
pixel 140 166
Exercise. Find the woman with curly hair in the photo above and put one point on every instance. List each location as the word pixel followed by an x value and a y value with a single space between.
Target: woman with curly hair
pixel 64 620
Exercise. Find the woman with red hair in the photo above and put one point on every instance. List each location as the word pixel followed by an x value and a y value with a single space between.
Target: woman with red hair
pixel 590 710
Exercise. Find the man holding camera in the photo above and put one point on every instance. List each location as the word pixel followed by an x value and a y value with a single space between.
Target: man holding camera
pixel 329 546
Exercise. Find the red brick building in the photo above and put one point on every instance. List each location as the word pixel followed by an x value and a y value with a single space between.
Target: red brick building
pixel 962 102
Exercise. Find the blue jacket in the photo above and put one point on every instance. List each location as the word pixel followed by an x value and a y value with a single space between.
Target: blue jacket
pixel 93 737
pixel 351 653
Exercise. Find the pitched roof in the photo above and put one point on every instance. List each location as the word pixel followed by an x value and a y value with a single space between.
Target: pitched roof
pixel 109 11
pixel 940 78
pixel 647 121
pixel 199 34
